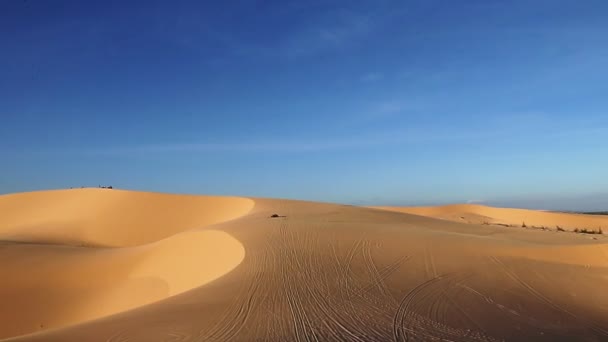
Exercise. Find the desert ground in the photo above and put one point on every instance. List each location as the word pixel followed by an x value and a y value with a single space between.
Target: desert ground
pixel 114 265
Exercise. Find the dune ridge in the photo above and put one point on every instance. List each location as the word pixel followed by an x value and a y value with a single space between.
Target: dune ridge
pixel 110 218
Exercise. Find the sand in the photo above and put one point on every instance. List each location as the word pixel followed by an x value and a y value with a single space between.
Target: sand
pixel 111 265
pixel 479 214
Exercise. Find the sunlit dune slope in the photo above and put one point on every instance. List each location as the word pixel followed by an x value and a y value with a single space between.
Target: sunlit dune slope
pixel 103 217
pixel 479 214
pixel 53 285
pixel 324 272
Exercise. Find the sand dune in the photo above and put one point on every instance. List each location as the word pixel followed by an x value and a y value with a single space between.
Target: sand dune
pixel 479 214
pixel 49 283
pixel 324 272
pixel 112 218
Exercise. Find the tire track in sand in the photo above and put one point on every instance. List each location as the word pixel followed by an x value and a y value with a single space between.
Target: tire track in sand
pixel 377 276
pixel 238 313
pixel 402 310
pixel 276 326
pixel 365 314
pixel 429 262
pixel 320 292
pixel 375 296
pixel 408 325
pixel 544 299
pixel 346 295
pixel 291 271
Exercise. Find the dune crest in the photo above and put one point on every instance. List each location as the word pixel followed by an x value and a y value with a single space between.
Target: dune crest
pixel 111 218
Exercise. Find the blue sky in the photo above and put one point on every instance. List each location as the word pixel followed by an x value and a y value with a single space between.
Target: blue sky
pixel 364 102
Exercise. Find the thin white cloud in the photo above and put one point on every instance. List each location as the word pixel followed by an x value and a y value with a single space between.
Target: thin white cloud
pixel 243 147
pixel 383 110
pixel 323 31
pixel 493 131
pixel 389 108
pixel 372 77
pixel 326 28
pixel 330 31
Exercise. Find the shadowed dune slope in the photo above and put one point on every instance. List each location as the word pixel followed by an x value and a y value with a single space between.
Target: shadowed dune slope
pixel 53 285
pixel 327 272
pixel 479 214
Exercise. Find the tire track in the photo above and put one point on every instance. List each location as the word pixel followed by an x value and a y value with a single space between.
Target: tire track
pixel 487 299
pixel 237 315
pixel 429 262
pixel 430 328
pixel 376 295
pixel 302 322
pixel 378 277
pixel 273 327
pixel 177 336
pixel 544 299
pixel 344 269
pixel 306 269
pixel 332 319
pixel 351 254
pixel 435 305
pixel 343 319
pixel 346 294
pixel 435 301
pixel 341 326
pixel 233 327
pixel 402 310
pixel 217 326
pixel 118 336
pixel 366 311
pixel 288 294
pixel 513 276
pixel 480 333
pixel 528 321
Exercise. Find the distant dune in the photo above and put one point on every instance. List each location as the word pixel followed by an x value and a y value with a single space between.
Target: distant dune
pixel 111 265
pixel 479 214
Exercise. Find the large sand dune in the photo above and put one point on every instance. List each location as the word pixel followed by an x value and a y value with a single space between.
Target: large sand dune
pixel 216 269
pixel 52 277
pixel 114 218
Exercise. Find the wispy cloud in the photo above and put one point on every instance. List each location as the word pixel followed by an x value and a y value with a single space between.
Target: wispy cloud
pixel 390 108
pixel 496 131
pixel 383 110
pixel 372 77
pixel 237 147
pixel 338 28
pixel 328 31
pixel 323 31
